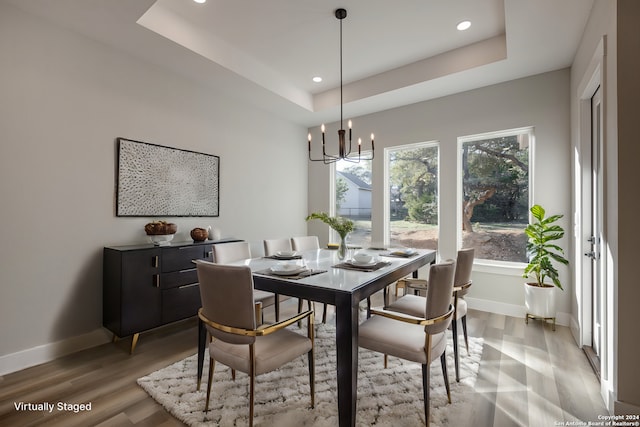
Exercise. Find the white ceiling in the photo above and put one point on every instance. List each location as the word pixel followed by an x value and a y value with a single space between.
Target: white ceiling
pixel 395 53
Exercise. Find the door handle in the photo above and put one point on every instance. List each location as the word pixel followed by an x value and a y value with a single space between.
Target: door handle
pixel 591 255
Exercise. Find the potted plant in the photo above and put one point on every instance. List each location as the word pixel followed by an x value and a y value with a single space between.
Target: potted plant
pixel 342 226
pixel 543 252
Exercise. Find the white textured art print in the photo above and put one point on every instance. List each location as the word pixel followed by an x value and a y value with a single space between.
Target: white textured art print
pixel 154 180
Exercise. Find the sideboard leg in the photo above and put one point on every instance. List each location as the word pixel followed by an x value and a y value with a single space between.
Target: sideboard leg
pixel 134 341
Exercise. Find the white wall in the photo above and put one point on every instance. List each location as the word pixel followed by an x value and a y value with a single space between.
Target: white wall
pixel 617 22
pixel 541 101
pixel 64 99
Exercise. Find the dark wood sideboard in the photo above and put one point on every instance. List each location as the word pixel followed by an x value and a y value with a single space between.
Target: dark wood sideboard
pixel 146 286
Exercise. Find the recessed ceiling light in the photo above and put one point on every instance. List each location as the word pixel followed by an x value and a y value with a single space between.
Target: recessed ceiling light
pixel 200 1
pixel 317 79
pixel 463 25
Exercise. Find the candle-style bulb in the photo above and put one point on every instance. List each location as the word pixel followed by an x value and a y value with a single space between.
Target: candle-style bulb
pixel 359 141
pixel 349 124
pixel 322 128
pixel 309 137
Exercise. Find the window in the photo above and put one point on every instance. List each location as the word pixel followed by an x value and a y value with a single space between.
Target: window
pixel 495 194
pixel 353 198
pixel 413 196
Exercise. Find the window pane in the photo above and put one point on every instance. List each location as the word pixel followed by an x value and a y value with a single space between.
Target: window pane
pixel 353 199
pixel 495 184
pixel 413 193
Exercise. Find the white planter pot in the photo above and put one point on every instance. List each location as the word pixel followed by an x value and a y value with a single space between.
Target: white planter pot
pixel 540 302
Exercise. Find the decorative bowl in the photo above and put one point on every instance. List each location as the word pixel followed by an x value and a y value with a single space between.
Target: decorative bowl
pixel 161 239
pixel 363 258
pixel 199 234
pixel 160 228
pixel 286 253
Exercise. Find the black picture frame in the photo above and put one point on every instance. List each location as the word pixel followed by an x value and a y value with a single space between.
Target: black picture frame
pixel 159 181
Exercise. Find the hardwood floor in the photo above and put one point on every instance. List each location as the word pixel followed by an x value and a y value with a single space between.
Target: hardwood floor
pixel 529 376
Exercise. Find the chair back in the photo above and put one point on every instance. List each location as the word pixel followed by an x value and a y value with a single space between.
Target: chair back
pixel 226 293
pixel 464 265
pixel 271 246
pixel 439 294
pixel 305 243
pixel 229 252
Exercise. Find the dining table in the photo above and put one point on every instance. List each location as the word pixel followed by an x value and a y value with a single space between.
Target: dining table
pixel 343 285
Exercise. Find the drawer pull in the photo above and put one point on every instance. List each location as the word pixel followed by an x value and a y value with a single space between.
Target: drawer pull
pixel 155 261
pixel 156 278
pixel 188 286
pixel 187 270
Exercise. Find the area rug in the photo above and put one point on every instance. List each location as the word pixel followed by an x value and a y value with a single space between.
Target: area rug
pixel 386 397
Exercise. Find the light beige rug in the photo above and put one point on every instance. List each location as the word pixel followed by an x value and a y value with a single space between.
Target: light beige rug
pixel 386 397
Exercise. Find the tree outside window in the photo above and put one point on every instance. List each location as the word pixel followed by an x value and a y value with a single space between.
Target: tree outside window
pixel 413 194
pixel 495 195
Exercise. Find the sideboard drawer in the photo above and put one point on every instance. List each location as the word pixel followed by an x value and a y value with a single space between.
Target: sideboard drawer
pixel 179 278
pixel 175 259
pixel 180 303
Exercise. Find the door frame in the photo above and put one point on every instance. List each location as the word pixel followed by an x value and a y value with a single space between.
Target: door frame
pixel 593 78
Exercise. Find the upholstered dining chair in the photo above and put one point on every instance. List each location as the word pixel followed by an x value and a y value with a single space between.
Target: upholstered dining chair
pixel 414 304
pixel 272 247
pixel 305 243
pixel 308 243
pixel 419 339
pixel 234 251
pixel 227 311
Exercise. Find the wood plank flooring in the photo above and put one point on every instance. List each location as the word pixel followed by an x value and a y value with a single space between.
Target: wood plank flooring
pixel 529 376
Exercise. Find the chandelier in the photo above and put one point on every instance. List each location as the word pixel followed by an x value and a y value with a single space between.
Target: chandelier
pixel 344 148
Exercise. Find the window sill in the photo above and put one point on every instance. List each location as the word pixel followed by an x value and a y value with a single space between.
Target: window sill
pixel 514 269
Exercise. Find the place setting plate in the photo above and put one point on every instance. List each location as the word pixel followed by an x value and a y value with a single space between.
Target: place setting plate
pixel 285 255
pixel 287 269
pixel 363 263
pixel 402 253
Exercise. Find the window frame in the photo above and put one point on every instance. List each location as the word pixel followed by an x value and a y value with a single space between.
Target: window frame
pixel 386 219
pixel 333 235
pixel 488 265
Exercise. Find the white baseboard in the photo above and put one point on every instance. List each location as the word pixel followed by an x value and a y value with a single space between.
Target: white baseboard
pixel 45 353
pixel 506 309
pixel 575 332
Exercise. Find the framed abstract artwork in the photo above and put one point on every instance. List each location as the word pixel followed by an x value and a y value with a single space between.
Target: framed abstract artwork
pixel 154 180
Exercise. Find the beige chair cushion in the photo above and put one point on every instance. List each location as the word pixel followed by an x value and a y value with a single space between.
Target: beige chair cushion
pixel 272 351
pixel 462 308
pixel 399 339
pixel 414 305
